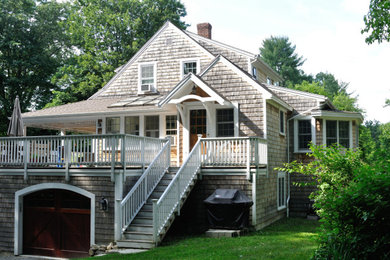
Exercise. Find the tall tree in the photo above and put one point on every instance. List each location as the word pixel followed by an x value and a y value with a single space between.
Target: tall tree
pixel 106 34
pixel 279 53
pixel 377 21
pixel 32 46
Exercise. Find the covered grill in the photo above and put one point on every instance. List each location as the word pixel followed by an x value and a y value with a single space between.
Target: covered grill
pixel 228 209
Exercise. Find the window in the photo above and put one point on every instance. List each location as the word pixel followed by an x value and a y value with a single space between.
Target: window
pixel 254 72
pixel 281 190
pixel 132 125
pixel 269 81
pixel 113 125
pixel 147 77
pixel 281 122
pixel 337 132
pixel 152 124
pixel 188 66
pixel 171 127
pixel 225 122
pixel 304 134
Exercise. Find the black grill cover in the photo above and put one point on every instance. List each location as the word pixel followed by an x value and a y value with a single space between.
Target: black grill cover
pixel 228 208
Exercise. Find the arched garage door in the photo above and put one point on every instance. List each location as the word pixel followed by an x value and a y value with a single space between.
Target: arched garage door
pixel 56 223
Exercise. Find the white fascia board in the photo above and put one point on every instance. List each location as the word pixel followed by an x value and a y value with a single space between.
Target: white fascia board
pixel 336 115
pixel 299 93
pixel 168 24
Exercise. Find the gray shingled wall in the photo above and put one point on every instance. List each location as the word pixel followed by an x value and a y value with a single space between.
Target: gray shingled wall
pixel 167 50
pixel 232 87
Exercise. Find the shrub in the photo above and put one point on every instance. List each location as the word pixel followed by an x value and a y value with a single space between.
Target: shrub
pixel 353 201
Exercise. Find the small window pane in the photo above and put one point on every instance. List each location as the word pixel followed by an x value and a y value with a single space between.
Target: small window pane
pixel 304 134
pixel 152 124
pixel 171 125
pixel 132 125
pixel 113 125
pixel 189 67
pixel 225 122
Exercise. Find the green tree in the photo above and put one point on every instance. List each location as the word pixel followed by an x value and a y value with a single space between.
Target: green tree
pixel 377 21
pixel 279 53
pixel 32 46
pixel 331 85
pixel 106 34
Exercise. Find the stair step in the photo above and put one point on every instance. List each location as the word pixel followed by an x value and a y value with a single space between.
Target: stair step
pixel 139 244
pixel 140 228
pixel 145 213
pixel 137 235
pixel 141 220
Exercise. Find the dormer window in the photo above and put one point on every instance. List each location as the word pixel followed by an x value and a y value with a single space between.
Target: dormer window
pixel 147 78
pixel 254 72
pixel 189 66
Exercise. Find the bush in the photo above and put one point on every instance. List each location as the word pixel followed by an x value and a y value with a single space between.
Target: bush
pixel 353 201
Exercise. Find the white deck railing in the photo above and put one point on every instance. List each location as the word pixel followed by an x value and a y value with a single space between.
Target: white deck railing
pixel 169 201
pixel 144 187
pixel 234 151
pixel 79 150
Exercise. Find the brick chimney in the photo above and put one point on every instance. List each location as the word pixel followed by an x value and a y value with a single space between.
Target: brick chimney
pixel 204 29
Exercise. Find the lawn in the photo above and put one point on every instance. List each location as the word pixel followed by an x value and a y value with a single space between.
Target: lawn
pixel 285 239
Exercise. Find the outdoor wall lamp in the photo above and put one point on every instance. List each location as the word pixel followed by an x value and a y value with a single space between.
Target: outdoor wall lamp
pixel 104 204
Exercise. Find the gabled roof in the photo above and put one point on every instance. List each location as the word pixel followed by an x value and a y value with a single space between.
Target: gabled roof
pixel 123 68
pixel 191 78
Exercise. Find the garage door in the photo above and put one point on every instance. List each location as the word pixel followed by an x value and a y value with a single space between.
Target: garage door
pixel 56 223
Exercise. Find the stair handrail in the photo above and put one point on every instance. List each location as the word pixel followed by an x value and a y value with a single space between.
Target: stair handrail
pixel 143 188
pixel 169 201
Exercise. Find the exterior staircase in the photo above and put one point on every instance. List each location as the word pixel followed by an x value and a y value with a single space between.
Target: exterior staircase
pixel 139 234
pixel 151 206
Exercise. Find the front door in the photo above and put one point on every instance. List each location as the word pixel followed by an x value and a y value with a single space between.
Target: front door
pixel 56 223
pixel 198 125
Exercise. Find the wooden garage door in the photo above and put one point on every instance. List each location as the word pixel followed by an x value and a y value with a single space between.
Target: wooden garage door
pixel 56 223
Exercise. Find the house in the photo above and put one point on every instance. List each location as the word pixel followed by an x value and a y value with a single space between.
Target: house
pixel 184 116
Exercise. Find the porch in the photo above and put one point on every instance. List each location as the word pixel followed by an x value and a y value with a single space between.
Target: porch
pixel 107 153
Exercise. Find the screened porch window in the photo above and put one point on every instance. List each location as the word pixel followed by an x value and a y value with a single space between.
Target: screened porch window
pixel 152 124
pixel 225 122
pixel 113 125
pixel 132 125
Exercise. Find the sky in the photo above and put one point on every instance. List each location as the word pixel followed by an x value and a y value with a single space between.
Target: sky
pixel 326 33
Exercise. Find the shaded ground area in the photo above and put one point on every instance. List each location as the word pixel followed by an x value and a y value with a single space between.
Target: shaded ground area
pixel 287 239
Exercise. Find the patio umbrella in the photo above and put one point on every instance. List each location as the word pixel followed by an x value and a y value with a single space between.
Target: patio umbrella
pixel 16 126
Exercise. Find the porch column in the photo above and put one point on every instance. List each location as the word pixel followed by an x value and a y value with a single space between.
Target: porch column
pixel 211 120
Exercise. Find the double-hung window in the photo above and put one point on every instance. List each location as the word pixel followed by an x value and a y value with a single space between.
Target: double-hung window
pixel 147 75
pixel 281 190
pixel 337 132
pixel 189 66
pixel 304 134
pixel 171 128
pixel 225 122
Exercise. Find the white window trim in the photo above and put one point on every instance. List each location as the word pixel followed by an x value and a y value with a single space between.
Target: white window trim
pixel 282 131
pixel 313 133
pixel 337 130
pixel 281 175
pixel 154 76
pixel 197 60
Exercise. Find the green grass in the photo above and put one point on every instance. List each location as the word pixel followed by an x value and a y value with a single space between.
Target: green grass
pixel 285 239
